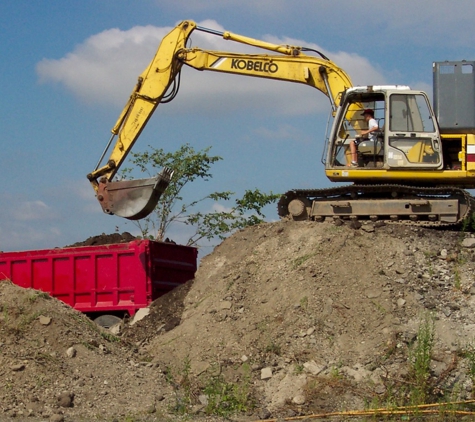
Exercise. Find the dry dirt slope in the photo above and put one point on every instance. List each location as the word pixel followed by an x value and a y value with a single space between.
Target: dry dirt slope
pixel 290 318
pixel 318 302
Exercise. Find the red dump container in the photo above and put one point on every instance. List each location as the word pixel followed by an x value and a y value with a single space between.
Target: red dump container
pixel 122 277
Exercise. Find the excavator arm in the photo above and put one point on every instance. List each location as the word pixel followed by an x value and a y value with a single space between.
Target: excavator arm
pixel 159 83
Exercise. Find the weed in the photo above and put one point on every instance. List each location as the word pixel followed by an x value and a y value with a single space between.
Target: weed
pixel 458 279
pixel 111 338
pixel 273 348
pixel 87 345
pixel 5 314
pixel 379 307
pixel 335 371
pixel 32 298
pixel 469 354
pixel 429 255
pixel 298 369
pixel 201 301
pixel 304 302
pixel 182 386
pixel 226 398
pixel 468 224
pixel 300 260
pixel 419 358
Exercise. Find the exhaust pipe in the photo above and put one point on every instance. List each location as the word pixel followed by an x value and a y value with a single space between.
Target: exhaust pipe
pixel 133 199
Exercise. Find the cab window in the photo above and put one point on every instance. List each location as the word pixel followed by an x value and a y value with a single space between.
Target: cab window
pixel 410 113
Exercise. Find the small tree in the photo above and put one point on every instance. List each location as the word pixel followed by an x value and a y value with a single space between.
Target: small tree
pixel 188 166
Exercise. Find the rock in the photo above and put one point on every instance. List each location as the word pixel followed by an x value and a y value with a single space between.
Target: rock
pixel 203 399
pixel 299 399
pixel 468 242
pixel 56 418
pixel 372 293
pixel 151 409
pixel 65 399
pixel 418 297
pixel 71 352
pixel 44 320
pixel 140 315
pixel 226 304
pixel 357 373
pixel 198 367
pixel 17 368
pixel 453 306
pixel 244 358
pixel 443 253
pixel 368 228
pixel 116 329
pixel 266 373
pixel 310 331
pixel 264 414
pixel 313 368
pixel 355 224
pixel 408 337
pixel 401 302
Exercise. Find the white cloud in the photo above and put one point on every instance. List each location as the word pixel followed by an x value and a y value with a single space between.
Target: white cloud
pixel 104 68
pixel 217 207
pixel 33 210
pixel 283 132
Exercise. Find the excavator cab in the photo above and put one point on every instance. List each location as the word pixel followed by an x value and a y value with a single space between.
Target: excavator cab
pixel 407 137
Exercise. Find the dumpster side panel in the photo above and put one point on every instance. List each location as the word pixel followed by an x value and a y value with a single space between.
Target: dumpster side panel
pixel 103 278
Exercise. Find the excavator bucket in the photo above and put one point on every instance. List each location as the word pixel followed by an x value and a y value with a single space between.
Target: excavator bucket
pixel 133 199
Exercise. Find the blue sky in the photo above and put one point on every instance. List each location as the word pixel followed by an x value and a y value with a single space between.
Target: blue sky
pixel 67 68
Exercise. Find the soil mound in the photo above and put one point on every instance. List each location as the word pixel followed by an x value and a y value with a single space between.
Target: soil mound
pixel 316 317
pixel 105 239
pixel 282 319
pixel 55 361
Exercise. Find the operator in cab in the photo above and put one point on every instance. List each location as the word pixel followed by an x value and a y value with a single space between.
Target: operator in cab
pixel 368 115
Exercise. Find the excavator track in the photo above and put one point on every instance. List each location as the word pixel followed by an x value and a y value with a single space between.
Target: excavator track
pixel 420 206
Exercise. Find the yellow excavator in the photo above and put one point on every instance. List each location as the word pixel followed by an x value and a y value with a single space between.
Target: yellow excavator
pixel 408 170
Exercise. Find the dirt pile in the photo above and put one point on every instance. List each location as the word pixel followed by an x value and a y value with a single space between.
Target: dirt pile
pixel 315 317
pixel 282 319
pixel 105 239
pixel 56 363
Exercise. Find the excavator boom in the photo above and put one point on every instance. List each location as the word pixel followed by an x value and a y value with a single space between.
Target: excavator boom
pixel 159 83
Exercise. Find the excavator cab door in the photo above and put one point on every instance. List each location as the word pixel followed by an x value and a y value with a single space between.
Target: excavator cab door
pixel 412 136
